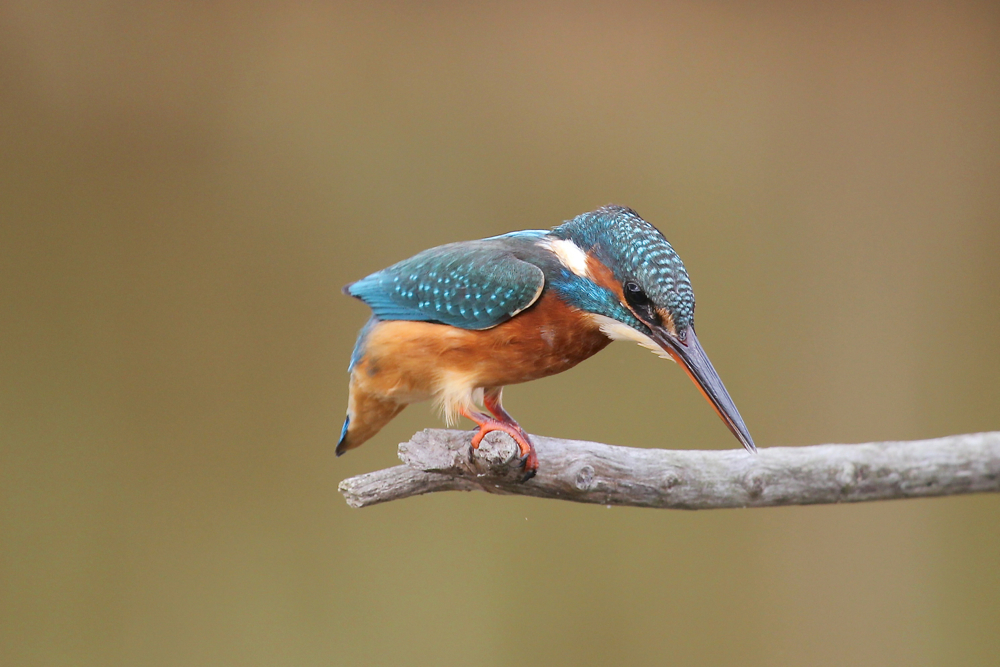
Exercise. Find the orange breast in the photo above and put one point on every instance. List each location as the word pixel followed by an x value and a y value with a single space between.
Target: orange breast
pixel 407 360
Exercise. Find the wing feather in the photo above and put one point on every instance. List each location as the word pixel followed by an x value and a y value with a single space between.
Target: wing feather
pixel 470 285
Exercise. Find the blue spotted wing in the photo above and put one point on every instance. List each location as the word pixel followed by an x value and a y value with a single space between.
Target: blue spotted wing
pixel 470 285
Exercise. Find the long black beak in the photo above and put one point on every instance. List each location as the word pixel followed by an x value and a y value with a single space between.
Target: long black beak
pixel 692 358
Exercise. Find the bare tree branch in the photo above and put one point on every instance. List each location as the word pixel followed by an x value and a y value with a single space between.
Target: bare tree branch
pixel 588 472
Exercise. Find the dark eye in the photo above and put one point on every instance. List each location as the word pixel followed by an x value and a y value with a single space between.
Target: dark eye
pixel 634 295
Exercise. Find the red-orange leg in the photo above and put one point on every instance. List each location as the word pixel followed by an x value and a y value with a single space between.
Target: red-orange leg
pixel 491 401
pixel 504 422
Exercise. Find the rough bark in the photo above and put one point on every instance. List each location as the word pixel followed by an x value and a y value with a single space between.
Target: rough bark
pixel 588 472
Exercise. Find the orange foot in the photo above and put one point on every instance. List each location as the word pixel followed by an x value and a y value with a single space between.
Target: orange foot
pixel 528 458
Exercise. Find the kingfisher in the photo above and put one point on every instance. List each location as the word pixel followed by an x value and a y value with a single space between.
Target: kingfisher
pixel 457 323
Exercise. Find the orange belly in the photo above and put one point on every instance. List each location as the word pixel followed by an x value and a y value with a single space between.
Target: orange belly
pixel 412 361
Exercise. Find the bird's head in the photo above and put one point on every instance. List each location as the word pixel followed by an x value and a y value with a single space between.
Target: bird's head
pixel 622 271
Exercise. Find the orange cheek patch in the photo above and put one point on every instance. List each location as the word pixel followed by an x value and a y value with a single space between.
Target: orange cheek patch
pixel 602 275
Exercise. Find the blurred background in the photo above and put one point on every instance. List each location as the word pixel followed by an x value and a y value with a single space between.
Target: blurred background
pixel 184 188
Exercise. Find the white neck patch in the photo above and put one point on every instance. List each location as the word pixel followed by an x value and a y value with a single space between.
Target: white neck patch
pixel 570 254
pixel 615 330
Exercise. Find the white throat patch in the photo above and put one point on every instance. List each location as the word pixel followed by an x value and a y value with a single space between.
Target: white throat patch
pixel 615 330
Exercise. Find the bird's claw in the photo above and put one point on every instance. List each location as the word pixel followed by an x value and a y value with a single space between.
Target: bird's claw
pixel 527 460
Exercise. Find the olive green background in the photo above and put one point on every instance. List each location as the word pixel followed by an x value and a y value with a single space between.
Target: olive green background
pixel 184 188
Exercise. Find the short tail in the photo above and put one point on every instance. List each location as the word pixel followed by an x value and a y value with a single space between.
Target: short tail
pixel 342 444
pixel 365 417
pixel 368 409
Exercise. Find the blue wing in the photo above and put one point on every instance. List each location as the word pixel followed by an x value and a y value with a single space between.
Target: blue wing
pixel 470 285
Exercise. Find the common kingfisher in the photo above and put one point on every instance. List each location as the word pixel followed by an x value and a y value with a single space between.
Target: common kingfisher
pixel 459 322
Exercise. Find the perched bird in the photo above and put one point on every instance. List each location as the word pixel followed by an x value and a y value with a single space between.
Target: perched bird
pixel 459 322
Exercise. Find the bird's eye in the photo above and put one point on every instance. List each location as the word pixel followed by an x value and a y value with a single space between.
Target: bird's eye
pixel 634 295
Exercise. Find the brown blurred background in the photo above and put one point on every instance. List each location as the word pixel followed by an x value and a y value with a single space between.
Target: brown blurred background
pixel 185 188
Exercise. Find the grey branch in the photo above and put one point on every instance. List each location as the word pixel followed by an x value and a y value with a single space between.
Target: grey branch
pixel 588 472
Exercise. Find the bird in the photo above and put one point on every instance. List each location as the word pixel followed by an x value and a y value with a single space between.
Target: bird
pixel 457 323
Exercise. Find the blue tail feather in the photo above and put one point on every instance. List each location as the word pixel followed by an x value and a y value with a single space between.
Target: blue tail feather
pixel 342 445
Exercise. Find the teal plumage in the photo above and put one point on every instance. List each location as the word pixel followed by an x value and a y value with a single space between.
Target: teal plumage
pixel 471 284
